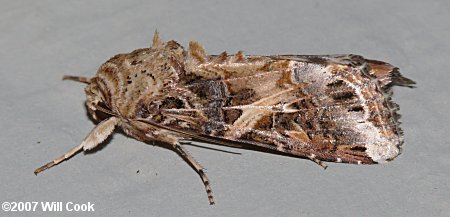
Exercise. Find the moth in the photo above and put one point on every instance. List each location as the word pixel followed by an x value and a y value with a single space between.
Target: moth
pixel 334 108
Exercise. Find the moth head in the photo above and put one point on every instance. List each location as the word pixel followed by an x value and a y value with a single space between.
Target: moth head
pixel 95 98
pixel 94 93
pixel 124 80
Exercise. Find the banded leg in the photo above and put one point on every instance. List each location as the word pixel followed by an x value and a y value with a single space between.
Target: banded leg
pixel 317 161
pixel 58 160
pixel 197 167
pixel 95 137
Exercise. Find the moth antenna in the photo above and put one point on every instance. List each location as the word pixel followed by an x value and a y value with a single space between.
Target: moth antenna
pixel 156 39
pixel 186 142
pixel 239 56
pixel 81 79
pixel 95 137
pixel 196 52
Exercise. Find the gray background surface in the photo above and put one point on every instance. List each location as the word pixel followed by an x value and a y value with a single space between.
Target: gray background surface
pixel 42 117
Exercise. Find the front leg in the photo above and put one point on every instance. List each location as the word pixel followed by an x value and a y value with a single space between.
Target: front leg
pixel 95 137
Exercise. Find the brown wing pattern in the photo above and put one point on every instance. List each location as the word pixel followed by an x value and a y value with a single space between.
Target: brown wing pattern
pixel 334 108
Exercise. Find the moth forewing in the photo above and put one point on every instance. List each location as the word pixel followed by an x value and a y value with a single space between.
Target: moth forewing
pixel 334 108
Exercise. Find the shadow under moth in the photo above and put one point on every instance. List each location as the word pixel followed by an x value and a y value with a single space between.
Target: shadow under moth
pixel 335 108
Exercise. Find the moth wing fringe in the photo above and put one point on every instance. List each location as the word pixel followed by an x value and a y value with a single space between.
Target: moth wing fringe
pixel 388 75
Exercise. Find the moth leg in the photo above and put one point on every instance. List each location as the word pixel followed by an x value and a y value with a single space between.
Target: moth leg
pixel 59 159
pixel 174 141
pixel 95 137
pixel 81 79
pixel 197 167
pixel 317 161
